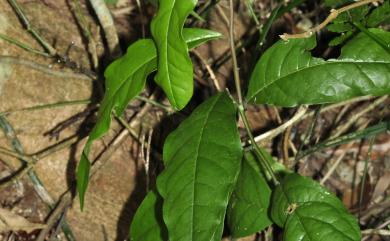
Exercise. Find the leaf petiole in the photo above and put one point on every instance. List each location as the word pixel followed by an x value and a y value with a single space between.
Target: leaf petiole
pixel 259 153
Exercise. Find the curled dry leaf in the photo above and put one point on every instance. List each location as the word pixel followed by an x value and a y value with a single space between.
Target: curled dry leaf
pixel 13 222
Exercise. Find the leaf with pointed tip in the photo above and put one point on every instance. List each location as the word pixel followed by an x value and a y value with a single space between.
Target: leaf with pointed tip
pixel 175 72
pixel 125 79
pixel 287 75
pixel 198 36
pixel 308 212
pixel 148 224
pixel 202 161
pixel 247 212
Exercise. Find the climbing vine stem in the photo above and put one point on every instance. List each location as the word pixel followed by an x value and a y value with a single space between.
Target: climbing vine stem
pixel 240 105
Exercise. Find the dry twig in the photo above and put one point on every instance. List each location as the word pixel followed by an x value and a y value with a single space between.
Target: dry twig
pixel 209 70
pixel 106 21
pixel 333 15
pixel 275 132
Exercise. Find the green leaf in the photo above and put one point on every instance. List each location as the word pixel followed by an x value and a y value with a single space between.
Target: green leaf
pixel 82 175
pixel 333 3
pixel 125 79
pixel 148 224
pixel 308 212
pixel 202 162
pixel 340 39
pixel 380 15
pixel 247 212
pixel 340 27
pixel 197 36
pixel 343 22
pixel 175 72
pixel 287 75
pixel 282 8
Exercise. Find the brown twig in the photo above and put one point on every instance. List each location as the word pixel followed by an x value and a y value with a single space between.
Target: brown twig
pixel 381 232
pixel 106 21
pixel 209 70
pixel 352 120
pixel 275 132
pixel 121 137
pixel 82 22
pixel 63 204
pixel 335 165
pixel 285 146
pixel 334 13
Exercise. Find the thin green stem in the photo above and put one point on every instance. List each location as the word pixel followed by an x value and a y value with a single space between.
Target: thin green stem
pixel 234 57
pixel 14 154
pixel 22 45
pixel 267 26
pixel 366 133
pixel 155 103
pixel 47 106
pixel 309 133
pixel 129 128
pixel 19 11
pixel 253 14
pixel 259 153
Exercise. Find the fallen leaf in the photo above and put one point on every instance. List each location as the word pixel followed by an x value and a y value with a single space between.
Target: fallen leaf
pixel 382 185
pixel 13 222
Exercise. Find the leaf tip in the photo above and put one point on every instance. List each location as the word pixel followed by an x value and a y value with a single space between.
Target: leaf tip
pixel 82 178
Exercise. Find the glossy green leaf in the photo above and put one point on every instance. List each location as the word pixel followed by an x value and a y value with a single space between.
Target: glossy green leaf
pixel 380 15
pixel 334 3
pixel 247 212
pixel 340 39
pixel 340 27
pixel 197 36
pixel 175 72
pixel 148 224
pixel 279 169
pixel 287 75
pixel 125 79
pixel 202 161
pixel 308 212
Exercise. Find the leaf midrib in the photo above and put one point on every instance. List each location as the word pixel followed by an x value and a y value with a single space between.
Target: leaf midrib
pixel 167 60
pixel 196 166
pixel 130 76
pixel 314 66
pixel 299 218
pixel 111 99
